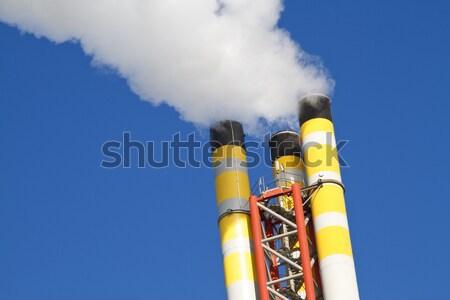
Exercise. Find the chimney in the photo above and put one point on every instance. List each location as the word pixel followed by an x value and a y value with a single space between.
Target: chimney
pixel 329 215
pixel 232 196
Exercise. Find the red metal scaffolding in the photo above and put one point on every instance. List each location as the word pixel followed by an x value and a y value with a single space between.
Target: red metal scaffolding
pixel 268 258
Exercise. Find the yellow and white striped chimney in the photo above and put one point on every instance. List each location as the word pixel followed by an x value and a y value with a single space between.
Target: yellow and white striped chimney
pixel 232 196
pixel 328 206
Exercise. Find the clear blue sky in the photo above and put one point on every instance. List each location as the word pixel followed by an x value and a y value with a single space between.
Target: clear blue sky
pixel 70 229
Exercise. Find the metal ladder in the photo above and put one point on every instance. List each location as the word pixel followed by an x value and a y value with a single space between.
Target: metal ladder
pixel 283 272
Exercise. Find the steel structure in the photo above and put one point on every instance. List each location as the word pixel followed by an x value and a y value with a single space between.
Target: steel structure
pixel 276 245
pixel 262 212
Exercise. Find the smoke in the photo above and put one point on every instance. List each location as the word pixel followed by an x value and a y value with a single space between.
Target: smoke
pixel 208 59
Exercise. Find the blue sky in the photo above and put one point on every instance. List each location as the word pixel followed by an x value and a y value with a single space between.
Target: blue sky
pixel 70 229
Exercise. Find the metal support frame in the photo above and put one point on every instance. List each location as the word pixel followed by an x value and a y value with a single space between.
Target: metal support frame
pixel 268 257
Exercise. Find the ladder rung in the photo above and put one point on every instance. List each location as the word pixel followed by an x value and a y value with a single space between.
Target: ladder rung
pixel 285 278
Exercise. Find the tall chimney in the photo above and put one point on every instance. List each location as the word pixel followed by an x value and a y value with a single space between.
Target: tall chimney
pixel 328 206
pixel 232 194
pixel 288 168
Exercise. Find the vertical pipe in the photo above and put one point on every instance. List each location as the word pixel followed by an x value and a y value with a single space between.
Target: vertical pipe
pixel 259 251
pixel 328 206
pixel 232 194
pixel 285 152
pixel 288 167
pixel 303 240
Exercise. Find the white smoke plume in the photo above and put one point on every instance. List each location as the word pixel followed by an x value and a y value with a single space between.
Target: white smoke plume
pixel 209 59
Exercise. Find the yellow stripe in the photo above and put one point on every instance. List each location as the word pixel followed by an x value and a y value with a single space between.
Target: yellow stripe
pixel 229 151
pixel 235 226
pixel 333 240
pixel 291 165
pixel 316 124
pixel 238 266
pixel 289 162
pixel 231 185
pixel 328 198
pixel 321 158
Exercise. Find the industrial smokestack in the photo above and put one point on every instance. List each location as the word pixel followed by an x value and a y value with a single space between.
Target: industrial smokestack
pixel 328 206
pixel 285 151
pixel 232 194
pixel 288 168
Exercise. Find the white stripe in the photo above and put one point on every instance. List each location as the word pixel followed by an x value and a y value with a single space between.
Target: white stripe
pixel 318 138
pixel 339 277
pixel 242 289
pixel 323 175
pixel 330 219
pixel 237 245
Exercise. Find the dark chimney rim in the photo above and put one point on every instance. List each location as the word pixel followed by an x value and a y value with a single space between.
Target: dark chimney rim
pixel 284 131
pixel 315 95
pixel 313 106
pixel 226 132
pixel 283 143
